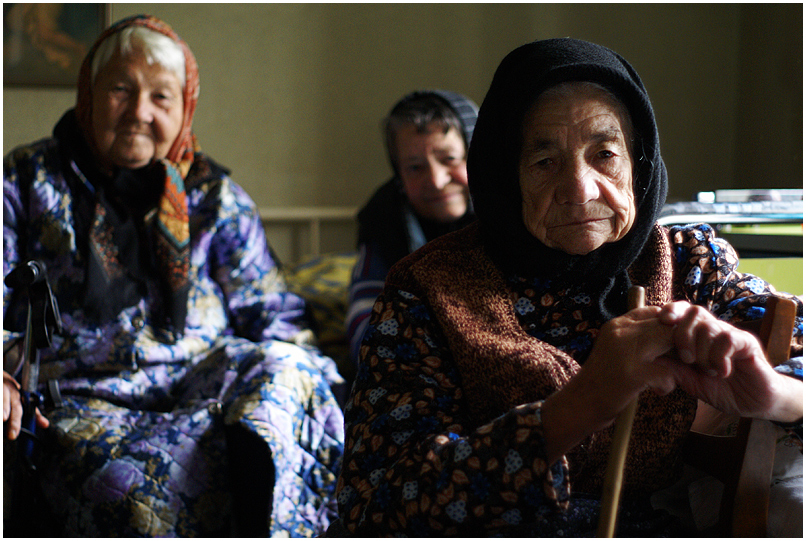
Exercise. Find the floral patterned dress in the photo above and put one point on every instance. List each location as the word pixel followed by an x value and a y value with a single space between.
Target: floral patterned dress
pixel 417 463
pixel 139 445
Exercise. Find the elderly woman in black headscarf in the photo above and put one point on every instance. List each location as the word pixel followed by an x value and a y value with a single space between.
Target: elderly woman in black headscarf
pixel 498 356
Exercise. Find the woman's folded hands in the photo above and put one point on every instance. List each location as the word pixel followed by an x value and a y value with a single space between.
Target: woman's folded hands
pixel 663 348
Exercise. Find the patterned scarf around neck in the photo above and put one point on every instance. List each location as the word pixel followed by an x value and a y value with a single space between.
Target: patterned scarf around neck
pixel 167 226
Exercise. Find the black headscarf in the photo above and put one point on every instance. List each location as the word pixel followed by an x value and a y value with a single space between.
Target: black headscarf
pixel 494 154
pixel 388 221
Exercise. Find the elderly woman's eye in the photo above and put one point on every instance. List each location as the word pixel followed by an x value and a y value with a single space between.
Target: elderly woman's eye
pixel 545 162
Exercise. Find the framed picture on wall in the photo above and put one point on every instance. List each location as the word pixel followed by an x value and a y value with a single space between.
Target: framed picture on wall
pixel 44 44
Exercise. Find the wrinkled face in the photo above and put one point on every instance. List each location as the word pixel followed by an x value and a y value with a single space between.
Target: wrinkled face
pixel 433 168
pixel 576 169
pixel 136 111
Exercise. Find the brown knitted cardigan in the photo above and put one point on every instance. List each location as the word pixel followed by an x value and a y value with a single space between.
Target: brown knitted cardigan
pixel 502 366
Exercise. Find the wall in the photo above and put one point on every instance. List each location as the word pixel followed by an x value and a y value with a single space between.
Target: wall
pixel 293 94
pixel 770 107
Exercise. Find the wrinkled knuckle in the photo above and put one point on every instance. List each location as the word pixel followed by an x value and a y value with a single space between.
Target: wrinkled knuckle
pixel 700 312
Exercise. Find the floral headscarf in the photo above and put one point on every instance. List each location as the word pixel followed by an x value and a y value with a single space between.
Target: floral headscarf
pixel 184 145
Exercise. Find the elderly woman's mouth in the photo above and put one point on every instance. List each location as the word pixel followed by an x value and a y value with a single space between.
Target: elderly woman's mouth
pixel 446 196
pixel 582 222
pixel 135 133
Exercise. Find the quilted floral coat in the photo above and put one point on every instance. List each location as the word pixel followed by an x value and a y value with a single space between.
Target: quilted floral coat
pixel 139 446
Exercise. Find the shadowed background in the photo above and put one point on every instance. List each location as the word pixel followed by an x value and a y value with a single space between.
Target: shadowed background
pixel 293 94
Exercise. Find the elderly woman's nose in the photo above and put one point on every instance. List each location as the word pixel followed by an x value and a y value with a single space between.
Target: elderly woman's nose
pixel 579 186
pixel 142 108
pixel 439 176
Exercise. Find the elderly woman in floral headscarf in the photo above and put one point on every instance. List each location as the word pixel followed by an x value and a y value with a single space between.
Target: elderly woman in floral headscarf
pixel 191 401
pixel 498 356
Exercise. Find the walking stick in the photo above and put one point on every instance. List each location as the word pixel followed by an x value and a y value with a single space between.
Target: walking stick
pixel 42 321
pixel 614 473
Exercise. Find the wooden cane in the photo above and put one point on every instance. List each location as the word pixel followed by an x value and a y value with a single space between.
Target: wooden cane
pixel 614 474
